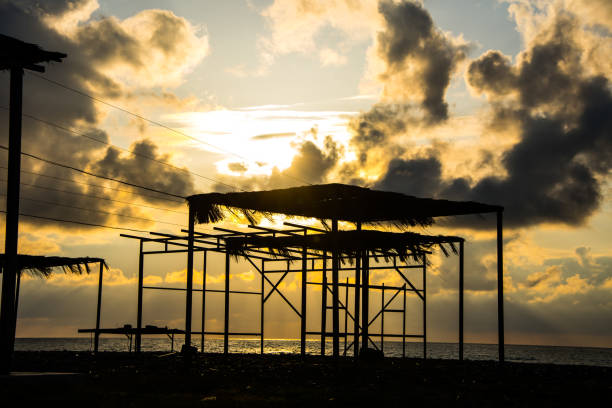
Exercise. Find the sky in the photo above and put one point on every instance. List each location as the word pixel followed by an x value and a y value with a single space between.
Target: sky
pixel 501 102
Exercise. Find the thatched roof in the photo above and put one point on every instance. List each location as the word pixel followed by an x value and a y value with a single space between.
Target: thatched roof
pixel 403 245
pixel 43 265
pixel 16 53
pixel 333 201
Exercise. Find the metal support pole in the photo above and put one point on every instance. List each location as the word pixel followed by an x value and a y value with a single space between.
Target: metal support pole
pixel 9 275
pixel 335 300
pixel 382 318
pixel 17 287
pixel 365 299
pixel 304 293
pixel 189 291
pixel 98 308
pixel 357 298
pixel 137 345
pixel 500 285
pixel 404 324
pixel 261 315
pixel 346 298
pixel 227 305
pixel 324 303
pixel 424 306
pixel 203 325
pixel 461 261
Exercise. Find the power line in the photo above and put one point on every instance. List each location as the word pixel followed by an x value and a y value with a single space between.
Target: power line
pixel 98 186
pixel 98 211
pixel 79 222
pixel 95 175
pixel 153 122
pixel 66 129
pixel 99 198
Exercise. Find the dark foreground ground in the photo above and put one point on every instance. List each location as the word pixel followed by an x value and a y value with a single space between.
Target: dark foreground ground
pixel 152 379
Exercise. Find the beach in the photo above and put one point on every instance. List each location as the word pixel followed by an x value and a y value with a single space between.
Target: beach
pixel 167 379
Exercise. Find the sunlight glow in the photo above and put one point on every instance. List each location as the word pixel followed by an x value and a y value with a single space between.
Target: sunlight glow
pixel 260 138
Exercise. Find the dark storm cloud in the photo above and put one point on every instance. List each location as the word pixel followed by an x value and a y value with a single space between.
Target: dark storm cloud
pixel 311 163
pixel 420 176
pixel 139 169
pixel 555 171
pixel 95 45
pixel 492 72
pixel 419 61
pixel 411 39
pixel 372 129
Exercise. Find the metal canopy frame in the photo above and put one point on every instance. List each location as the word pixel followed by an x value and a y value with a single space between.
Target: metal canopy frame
pixel 268 264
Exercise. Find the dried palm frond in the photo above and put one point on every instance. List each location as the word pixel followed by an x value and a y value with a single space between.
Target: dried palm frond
pixel 43 266
pixel 405 246
pixel 332 201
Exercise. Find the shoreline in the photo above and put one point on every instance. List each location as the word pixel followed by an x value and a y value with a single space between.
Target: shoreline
pixel 162 379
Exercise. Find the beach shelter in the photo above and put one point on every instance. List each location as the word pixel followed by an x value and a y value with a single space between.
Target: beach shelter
pixel 332 203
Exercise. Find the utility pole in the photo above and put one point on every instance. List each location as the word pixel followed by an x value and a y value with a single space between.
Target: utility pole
pixel 15 55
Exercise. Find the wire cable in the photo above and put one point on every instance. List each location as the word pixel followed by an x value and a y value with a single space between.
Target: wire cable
pixel 74 132
pixel 96 175
pixel 176 131
pixel 99 198
pixel 98 186
pixel 90 224
pixel 97 211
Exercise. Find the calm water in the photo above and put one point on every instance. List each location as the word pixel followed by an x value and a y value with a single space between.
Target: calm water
pixel 529 354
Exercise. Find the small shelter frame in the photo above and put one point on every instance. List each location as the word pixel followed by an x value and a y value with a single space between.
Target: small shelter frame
pixel 268 263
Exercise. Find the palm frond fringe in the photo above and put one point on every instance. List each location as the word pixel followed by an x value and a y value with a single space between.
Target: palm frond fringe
pixel 43 266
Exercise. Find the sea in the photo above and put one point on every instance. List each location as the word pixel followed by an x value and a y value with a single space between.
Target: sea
pixel 517 353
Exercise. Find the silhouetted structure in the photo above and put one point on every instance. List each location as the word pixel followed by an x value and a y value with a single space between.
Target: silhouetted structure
pixel 43 266
pixel 264 248
pixel 15 55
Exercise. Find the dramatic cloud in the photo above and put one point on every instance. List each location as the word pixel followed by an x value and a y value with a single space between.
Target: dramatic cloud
pixel 139 168
pixel 414 61
pixel 418 57
pixel 420 176
pixel 564 117
pixel 109 58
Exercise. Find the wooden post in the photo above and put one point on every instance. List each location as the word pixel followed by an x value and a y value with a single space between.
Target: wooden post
pixel 500 285
pixel 138 344
pixel 357 297
pixel 424 306
pixel 203 325
pixel 365 299
pixel 461 261
pixel 227 305
pixel 324 303
pixel 99 308
pixel 9 275
pixel 189 291
pixel 304 293
pixel 335 299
